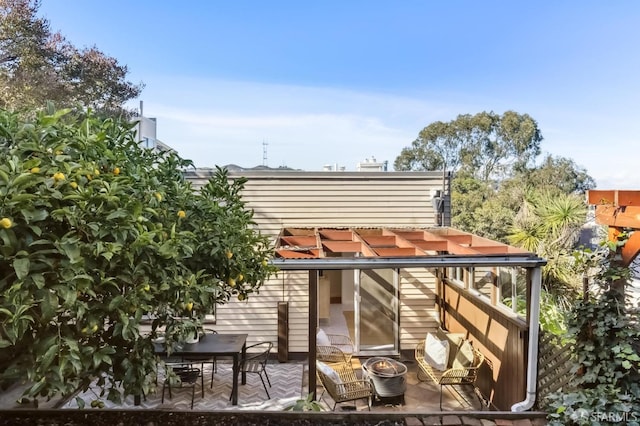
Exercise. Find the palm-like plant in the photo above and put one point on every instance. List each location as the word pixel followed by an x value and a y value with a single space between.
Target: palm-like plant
pixel 548 224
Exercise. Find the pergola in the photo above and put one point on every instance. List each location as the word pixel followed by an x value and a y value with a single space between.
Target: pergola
pixel 620 210
pixel 316 249
pixel 316 243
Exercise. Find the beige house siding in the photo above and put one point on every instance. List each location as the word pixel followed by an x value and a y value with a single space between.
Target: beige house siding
pixel 332 199
pixel 418 314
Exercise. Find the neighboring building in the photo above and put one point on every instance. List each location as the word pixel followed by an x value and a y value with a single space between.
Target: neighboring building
pixel 146 131
pixel 371 165
pixel 234 168
pixel 368 165
pixel 361 252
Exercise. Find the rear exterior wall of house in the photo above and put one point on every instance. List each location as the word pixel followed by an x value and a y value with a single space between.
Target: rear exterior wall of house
pixel 286 199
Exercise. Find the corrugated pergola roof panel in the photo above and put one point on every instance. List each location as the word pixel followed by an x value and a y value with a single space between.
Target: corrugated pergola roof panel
pixel 309 243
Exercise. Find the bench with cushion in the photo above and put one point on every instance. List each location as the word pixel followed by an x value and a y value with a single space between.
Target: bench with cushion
pixel 447 359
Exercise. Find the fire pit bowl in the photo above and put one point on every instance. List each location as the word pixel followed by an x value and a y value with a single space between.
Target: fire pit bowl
pixel 386 375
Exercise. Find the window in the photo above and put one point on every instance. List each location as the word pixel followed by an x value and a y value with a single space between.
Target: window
pixel 511 283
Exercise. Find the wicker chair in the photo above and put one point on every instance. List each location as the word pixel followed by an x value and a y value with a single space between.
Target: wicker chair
pixel 451 376
pixel 339 350
pixel 342 384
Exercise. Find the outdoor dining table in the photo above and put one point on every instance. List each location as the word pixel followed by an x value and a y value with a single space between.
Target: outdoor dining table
pixel 211 344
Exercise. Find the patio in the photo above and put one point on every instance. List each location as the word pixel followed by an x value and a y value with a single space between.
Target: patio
pixel 289 383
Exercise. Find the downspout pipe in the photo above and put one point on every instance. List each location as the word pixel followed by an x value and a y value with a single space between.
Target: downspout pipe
pixel 534 326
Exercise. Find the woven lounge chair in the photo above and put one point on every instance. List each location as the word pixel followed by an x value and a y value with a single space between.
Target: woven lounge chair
pixel 339 380
pixel 451 376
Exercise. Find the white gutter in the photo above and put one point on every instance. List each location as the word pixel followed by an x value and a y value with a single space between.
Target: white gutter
pixel 534 325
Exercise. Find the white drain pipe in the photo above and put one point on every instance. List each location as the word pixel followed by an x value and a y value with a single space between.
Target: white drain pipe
pixel 534 325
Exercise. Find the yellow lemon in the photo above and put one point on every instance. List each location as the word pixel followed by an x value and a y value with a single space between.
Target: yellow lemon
pixel 74 185
pixel 89 177
pixel 158 196
pixel 116 171
pixel 96 172
pixel 189 306
pixel 240 277
pixel 85 330
pixel 58 176
pixel 94 328
pixel 229 254
pixel 59 152
pixel 231 282
pixel 181 214
pixel 35 170
pixel 146 287
pixel 241 297
pixel 5 223
pixel 264 262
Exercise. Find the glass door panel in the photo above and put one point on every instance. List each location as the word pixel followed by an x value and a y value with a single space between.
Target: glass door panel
pixel 377 311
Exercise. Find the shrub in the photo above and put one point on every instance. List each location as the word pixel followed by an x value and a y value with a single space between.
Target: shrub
pixel 96 236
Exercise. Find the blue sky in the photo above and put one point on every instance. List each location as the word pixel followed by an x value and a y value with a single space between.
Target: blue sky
pixel 336 82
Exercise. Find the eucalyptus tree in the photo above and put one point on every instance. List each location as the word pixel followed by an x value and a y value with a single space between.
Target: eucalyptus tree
pixel 486 146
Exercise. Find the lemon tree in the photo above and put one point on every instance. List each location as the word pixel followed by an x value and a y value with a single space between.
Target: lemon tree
pixel 97 237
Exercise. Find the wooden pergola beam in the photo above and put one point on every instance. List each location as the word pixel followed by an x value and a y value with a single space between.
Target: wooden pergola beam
pixel 619 217
pixel 613 197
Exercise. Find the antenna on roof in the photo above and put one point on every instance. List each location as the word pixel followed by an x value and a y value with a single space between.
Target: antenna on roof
pixel 264 153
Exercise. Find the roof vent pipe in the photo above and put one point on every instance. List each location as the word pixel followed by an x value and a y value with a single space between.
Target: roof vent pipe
pixel 438 206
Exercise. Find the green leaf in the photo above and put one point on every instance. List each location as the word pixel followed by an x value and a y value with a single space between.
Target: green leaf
pixel 48 357
pixel 71 250
pixel 25 180
pixel 21 266
pixel 34 215
pixel 38 280
pixel 118 214
pixel 115 303
pixel 49 306
pixel 80 402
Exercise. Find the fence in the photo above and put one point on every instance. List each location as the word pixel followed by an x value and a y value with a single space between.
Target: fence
pixel 555 360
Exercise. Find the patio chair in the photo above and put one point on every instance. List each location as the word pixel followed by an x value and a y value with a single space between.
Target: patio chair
pixel 185 374
pixel 333 348
pixel 204 359
pixel 339 380
pixel 453 374
pixel 255 362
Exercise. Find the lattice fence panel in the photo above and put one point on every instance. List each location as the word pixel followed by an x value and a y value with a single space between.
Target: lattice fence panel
pixel 555 360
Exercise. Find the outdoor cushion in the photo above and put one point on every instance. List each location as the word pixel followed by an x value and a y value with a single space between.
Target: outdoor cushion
pixel 331 375
pixel 322 339
pixel 454 339
pixel 436 352
pixel 464 356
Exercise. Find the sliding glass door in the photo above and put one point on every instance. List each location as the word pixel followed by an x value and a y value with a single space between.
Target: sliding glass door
pixel 377 311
